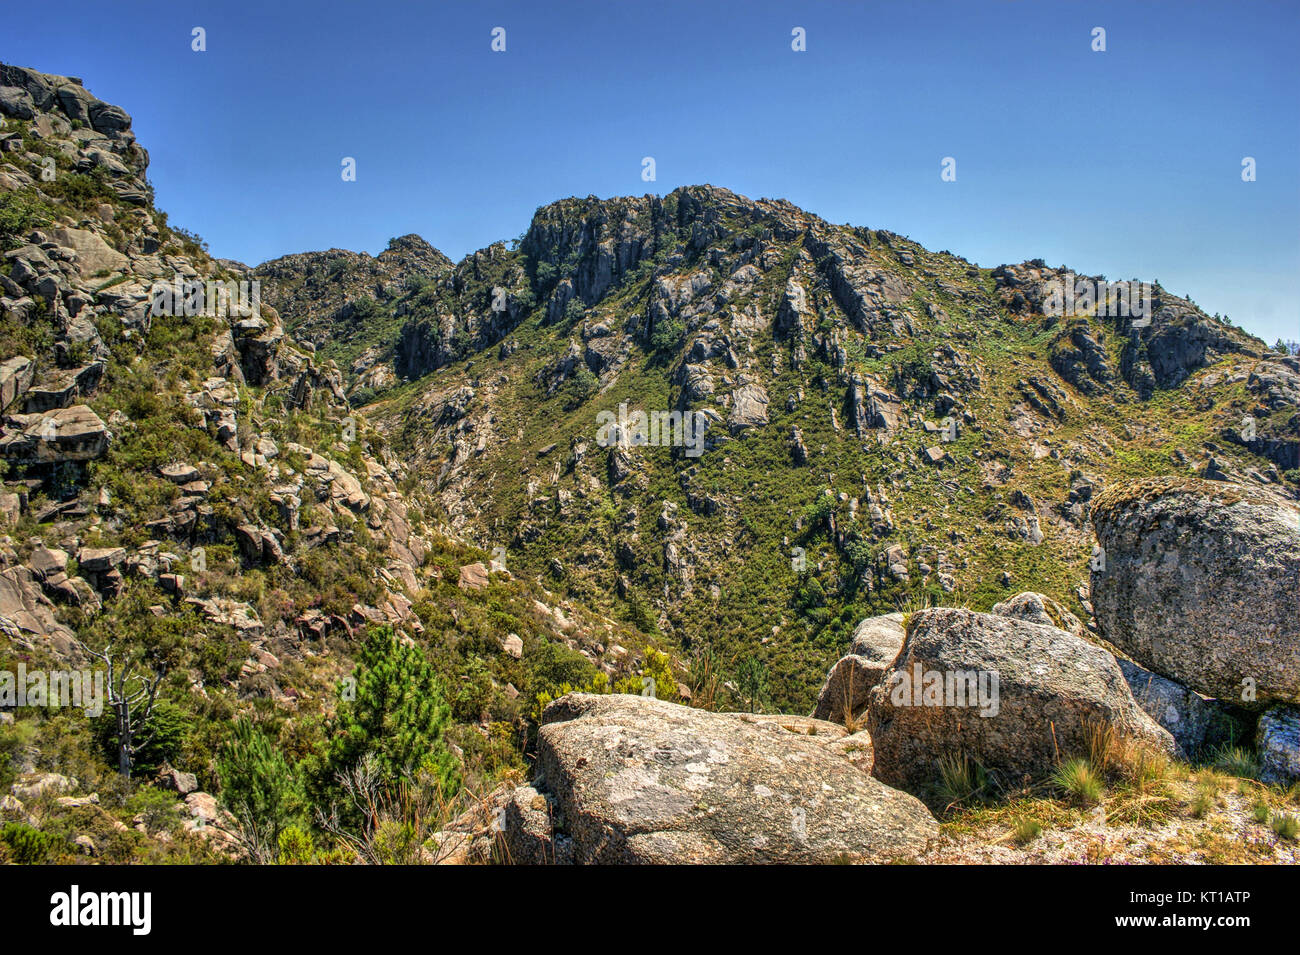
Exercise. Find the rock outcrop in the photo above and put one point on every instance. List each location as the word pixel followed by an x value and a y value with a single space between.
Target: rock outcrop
pixel 1036 608
pixel 1196 723
pixel 1277 739
pixel 844 695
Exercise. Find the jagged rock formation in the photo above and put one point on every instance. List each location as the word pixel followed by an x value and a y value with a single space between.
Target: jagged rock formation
pixel 341 303
pixel 99 270
pixel 174 462
pixel 823 361
pixel 839 423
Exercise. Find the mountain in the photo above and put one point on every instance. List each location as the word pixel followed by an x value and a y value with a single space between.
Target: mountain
pixel 342 302
pixel 825 360
pixel 375 540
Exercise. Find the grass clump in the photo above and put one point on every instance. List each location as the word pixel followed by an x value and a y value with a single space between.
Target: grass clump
pixel 1236 761
pixel 1080 780
pixel 1026 830
pixel 1285 825
pixel 1203 801
pixel 962 780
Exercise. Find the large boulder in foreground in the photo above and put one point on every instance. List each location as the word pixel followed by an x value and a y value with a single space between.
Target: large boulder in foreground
pixel 1007 693
pixel 639 780
pixel 1199 583
pixel 844 695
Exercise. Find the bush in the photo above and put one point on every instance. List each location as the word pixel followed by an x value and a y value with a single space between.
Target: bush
pixel 751 678
pixel 28 846
pixel 15 740
pixel 168 727
pixel 20 213
pixel 81 191
pixel 659 671
pixel 859 554
pixel 295 847
pixel 812 596
pixel 573 312
pixel 582 385
pixel 815 514
pixel 666 335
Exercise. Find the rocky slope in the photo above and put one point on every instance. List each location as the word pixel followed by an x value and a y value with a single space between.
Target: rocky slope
pixel 343 303
pixel 186 484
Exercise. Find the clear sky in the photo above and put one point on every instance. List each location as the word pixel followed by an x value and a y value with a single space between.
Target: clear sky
pixel 1125 163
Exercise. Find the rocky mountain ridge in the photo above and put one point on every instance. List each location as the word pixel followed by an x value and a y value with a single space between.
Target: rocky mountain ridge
pixel 187 489
pixel 387 473
pixel 920 421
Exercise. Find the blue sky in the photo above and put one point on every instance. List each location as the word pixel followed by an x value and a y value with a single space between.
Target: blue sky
pixel 1125 163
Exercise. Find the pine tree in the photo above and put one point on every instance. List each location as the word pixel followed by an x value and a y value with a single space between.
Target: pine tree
pixel 259 787
pixel 398 717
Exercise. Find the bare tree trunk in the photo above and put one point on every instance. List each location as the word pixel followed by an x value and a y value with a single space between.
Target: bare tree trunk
pixel 124 741
pixel 131 708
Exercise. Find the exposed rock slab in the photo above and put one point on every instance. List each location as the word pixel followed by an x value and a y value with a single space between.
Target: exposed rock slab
pixel 876 642
pixel 1196 723
pixel 644 781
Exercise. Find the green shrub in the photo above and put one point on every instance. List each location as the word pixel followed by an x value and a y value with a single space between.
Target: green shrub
pixel 258 785
pixel 815 514
pixel 751 678
pixel 20 213
pixel 582 385
pixel 80 190
pixel 295 847
pixel 28 846
pixel 666 335
pixel 1285 825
